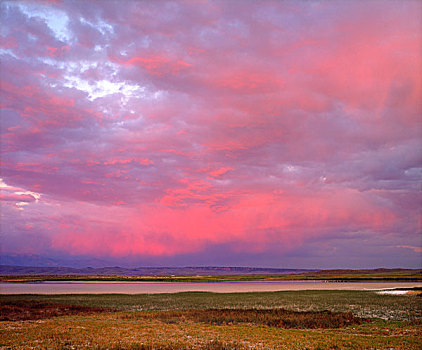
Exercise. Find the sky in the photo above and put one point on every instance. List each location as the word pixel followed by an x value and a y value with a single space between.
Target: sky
pixel 195 133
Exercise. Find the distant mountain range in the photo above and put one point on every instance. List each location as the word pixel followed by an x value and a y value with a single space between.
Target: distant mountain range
pixel 33 264
pixel 32 260
pixel 177 271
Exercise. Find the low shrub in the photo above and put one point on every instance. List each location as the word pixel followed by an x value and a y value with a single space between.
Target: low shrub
pixel 279 318
pixel 21 310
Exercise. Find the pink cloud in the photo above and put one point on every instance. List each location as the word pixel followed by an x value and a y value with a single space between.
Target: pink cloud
pixel 255 221
pixel 155 64
pixel 260 128
pixel 143 161
pixel 415 249
pixel 14 197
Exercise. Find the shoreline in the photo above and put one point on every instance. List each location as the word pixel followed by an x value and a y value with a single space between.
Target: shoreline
pixel 118 287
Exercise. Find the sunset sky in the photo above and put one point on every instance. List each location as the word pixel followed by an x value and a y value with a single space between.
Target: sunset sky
pixel 239 133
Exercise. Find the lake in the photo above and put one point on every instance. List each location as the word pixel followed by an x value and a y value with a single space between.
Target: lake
pixel 88 287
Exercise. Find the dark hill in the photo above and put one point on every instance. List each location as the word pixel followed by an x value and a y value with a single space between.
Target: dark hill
pixel 177 271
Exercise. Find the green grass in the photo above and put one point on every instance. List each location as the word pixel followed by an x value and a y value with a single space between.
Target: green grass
pixel 366 304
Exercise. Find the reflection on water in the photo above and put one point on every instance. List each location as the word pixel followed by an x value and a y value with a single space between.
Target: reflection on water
pixel 71 287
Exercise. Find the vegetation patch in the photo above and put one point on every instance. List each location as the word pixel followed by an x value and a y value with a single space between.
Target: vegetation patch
pixel 20 310
pixel 365 304
pixel 279 318
pixel 273 320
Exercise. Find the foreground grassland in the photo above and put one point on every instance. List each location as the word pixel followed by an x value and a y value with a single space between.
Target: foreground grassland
pixel 271 320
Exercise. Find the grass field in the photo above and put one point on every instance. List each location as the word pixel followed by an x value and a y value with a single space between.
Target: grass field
pixel 335 275
pixel 195 320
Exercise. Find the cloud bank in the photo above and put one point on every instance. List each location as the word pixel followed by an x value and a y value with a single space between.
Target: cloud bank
pixel 212 132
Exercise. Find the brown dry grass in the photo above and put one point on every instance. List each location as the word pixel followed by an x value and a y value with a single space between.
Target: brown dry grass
pixel 34 310
pixel 415 292
pixel 21 310
pixel 278 318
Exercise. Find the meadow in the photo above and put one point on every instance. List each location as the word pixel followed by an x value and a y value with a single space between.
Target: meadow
pixel 198 320
pixel 405 275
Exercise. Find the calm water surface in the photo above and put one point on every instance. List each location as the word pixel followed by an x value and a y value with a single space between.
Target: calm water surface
pixel 70 287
